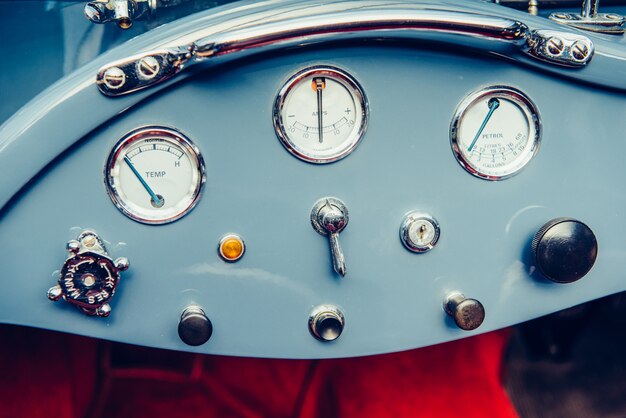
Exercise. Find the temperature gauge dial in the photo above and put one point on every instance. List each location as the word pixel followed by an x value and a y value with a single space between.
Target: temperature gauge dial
pixel 495 132
pixel 320 114
pixel 155 175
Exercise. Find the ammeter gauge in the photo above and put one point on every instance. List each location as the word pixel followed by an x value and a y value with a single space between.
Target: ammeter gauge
pixel 155 175
pixel 495 132
pixel 320 114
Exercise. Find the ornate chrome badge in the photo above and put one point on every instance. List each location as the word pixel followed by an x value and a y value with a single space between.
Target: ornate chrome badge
pixel 89 276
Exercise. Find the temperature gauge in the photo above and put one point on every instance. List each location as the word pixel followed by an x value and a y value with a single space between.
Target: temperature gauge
pixel 495 132
pixel 320 114
pixel 155 175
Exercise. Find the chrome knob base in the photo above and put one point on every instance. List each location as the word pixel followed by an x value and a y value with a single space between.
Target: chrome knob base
pixel 326 323
pixel 468 314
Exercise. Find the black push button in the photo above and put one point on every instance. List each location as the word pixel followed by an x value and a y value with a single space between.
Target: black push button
pixel 194 327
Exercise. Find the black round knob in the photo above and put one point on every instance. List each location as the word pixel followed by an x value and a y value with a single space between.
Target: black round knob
pixel 194 327
pixel 468 314
pixel 565 250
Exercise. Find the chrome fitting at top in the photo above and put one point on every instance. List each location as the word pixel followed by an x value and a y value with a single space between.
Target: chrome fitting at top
pixel 589 19
pixel 122 12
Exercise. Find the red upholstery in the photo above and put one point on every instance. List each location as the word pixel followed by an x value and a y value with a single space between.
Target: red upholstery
pixel 45 374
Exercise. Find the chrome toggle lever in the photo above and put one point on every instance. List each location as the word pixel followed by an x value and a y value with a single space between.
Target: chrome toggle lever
pixel 329 217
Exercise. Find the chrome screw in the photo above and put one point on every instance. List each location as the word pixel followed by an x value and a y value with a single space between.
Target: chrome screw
pixel 554 46
pixel 148 67
pixel 114 78
pixel 580 51
pixel 95 11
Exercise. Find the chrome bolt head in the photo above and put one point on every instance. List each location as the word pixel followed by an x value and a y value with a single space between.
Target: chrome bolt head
pixel 104 310
pixel 114 78
pixel 148 67
pixel 73 246
pixel 55 293
pixel 580 51
pixel 122 263
pixel 554 46
pixel 95 12
pixel 89 241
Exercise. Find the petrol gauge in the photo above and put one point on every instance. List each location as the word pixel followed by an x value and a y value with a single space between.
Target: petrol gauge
pixel 495 132
pixel 320 114
pixel 155 175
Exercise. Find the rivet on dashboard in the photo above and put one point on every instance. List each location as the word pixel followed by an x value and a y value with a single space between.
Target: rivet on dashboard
pixel 231 247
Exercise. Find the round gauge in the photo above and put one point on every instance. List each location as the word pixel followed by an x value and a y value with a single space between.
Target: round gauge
pixel 320 114
pixel 495 132
pixel 155 175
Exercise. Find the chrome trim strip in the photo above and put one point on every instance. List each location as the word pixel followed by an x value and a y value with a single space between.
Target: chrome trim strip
pixel 299 24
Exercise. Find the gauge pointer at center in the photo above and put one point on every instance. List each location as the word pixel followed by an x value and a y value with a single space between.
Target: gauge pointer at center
pixel 319 85
pixel 493 105
pixel 156 200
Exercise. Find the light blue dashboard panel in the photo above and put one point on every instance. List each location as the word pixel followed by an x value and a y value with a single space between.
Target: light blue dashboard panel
pixel 391 298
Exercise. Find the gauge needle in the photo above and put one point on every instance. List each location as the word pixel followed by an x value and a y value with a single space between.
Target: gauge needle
pixel 155 199
pixel 319 85
pixel 493 105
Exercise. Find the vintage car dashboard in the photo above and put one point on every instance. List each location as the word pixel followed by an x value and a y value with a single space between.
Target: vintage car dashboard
pixel 319 189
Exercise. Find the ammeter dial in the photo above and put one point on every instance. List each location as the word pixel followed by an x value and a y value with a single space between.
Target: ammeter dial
pixel 320 114
pixel 155 175
pixel 495 132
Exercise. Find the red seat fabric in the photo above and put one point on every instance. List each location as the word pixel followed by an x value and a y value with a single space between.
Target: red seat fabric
pixel 47 374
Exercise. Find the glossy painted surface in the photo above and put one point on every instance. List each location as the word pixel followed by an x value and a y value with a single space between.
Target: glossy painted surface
pixel 391 298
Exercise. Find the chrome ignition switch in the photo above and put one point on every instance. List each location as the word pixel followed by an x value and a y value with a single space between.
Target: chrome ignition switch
pixel 329 217
pixel 89 276
pixel 419 232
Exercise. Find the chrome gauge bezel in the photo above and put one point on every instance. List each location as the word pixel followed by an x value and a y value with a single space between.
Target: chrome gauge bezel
pixel 353 87
pixel 531 113
pixel 168 134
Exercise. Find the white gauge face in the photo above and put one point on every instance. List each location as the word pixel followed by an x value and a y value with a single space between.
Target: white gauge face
pixel 155 175
pixel 320 115
pixel 495 132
